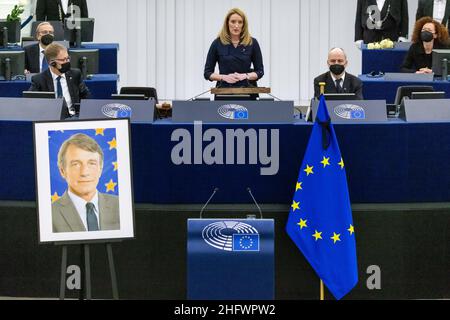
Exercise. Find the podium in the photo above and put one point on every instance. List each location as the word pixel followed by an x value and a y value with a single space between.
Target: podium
pixel 240 91
pixel 230 259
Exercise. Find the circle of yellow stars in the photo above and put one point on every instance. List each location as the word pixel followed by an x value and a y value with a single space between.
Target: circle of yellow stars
pixel 296 205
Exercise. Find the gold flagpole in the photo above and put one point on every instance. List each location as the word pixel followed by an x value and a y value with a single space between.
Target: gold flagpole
pixel 322 87
pixel 322 289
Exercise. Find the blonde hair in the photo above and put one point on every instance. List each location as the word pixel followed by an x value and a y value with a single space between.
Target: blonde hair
pixel 53 50
pixel 224 35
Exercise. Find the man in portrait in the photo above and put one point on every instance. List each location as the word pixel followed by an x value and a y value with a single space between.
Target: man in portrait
pixel 83 207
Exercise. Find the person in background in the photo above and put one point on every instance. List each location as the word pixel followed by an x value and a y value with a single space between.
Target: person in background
pixel 35 61
pixel 61 79
pixel 377 20
pixel 337 80
pixel 235 50
pixel 439 10
pixel 428 34
pixel 57 10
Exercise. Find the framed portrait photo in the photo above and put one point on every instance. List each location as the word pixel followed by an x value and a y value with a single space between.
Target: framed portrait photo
pixel 83 180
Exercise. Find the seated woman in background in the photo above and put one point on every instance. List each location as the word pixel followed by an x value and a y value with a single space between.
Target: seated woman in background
pixel 428 35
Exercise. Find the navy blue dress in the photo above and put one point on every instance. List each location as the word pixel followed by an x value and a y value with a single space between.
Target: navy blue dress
pixel 233 60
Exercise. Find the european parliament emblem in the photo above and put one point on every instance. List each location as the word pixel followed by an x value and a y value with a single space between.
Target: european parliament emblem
pixel 231 236
pixel 117 110
pixel 350 112
pixel 233 112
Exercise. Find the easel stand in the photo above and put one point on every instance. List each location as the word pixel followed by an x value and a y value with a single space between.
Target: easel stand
pixel 85 266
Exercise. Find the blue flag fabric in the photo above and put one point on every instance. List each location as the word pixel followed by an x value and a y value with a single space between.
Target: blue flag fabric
pixel 320 220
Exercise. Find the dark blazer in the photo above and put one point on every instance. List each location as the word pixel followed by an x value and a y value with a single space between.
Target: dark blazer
pixel 32 62
pixel 352 84
pixel 425 9
pixel 77 88
pixel 398 11
pixel 417 59
pixel 51 10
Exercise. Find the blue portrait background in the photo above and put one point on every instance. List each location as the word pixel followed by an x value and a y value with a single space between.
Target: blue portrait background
pixel 106 138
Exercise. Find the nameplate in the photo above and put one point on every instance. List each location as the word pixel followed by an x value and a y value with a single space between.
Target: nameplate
pixel 353 111
pixel 233 111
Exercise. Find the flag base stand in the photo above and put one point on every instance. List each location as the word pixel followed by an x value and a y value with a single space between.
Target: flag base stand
pixel 85 266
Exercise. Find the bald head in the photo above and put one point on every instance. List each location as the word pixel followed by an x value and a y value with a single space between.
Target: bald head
pixel 337 54
pixel 337 62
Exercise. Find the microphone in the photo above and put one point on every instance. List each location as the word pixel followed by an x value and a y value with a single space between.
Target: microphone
pixel 193 98
pixel 256 203
pixel 207 202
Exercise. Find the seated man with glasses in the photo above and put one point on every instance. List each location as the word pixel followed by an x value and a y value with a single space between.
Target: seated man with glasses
pixel 61 79
pixel 428 34
pixel 34 54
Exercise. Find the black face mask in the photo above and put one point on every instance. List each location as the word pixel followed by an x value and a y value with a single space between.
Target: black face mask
pixel 64 67
pixel 47 39
pixel 426 36
pixel 337 69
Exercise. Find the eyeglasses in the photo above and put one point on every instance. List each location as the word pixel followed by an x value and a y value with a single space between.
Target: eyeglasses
pixel 46 32
pixel 67 59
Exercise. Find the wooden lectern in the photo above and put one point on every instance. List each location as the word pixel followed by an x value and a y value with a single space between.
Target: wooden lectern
pixel 240 91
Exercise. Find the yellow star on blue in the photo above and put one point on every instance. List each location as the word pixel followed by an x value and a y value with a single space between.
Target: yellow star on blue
pixel 336 237
pixel 309 170
pixel 317 235
pixel 302 224
pixel 295 206
pixel 325 161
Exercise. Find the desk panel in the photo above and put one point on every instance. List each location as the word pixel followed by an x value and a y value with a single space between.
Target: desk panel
pixel 378 88
pixel 392 162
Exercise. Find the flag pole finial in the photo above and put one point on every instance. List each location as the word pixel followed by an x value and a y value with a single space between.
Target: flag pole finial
pixel 322 88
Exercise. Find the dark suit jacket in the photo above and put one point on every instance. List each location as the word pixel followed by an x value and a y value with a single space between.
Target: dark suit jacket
pixel 50 10
pixel 417 59
pixel 398 11
pixel 352 84
pixel 77 88
pixel 425 9
pixel 32 62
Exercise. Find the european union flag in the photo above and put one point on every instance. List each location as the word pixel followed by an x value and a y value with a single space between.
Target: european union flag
pixel 320 220
pixel 245 242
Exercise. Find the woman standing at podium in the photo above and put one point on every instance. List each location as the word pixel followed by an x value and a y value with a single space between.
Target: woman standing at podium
pixel 428 35
pixel 235 51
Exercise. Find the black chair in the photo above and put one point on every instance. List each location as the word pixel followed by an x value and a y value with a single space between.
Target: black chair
pixel 406 91
pixel 149 92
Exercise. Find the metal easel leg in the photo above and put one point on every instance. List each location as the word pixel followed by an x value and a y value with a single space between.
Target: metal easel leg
pixel 112 271
pixel 62 288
